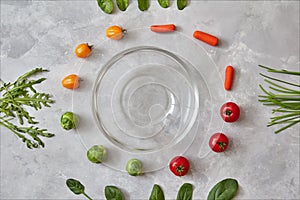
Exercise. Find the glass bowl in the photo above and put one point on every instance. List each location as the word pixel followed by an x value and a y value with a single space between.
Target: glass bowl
pixel 147 97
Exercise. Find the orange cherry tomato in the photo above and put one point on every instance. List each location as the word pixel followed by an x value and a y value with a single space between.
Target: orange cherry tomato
pixel 115 32
pixel 71 81
pixel 83 50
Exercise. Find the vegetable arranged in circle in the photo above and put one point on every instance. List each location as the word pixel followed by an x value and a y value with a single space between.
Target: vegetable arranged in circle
pixel 83 50
pixel 71 81
pixel 134 167
pixel 179 165
pixel 218 142
pixel 164 28
pixel 225 189
pixel 69 121
pixel 205 37
pixel 96 154
pixel 229 73
pixel 230 112
pixel 115 32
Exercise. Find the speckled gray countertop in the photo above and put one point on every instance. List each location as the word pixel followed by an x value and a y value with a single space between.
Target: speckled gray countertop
pixel 45 33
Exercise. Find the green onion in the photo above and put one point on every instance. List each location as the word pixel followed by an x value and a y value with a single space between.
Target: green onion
pixel 284 96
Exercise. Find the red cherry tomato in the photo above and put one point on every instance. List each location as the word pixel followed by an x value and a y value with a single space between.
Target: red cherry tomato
pixel 179 165
pixel 230 112
pixel 218 142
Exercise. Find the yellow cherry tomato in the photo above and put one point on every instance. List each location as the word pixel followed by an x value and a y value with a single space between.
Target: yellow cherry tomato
pixel 115 32
pixel 71 81
pixel 83 50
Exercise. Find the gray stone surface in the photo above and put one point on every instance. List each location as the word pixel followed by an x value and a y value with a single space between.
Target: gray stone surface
pixel 45 33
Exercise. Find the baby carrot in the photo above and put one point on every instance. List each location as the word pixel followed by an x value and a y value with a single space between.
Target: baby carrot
pixel 205 37
pixel 228 77
pixel 165 28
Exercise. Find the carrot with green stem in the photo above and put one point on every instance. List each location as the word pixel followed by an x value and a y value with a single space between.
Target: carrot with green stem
pixel 207 38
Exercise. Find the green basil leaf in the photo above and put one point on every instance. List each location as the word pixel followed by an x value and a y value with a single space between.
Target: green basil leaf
pixel 113 193
pixel 185 192
pixel 157 193
pixel 181 4
pixel 163 3
pixel 75 186
pixel 143 4
pixel 106 5
pixel 122 4
pixel 224 190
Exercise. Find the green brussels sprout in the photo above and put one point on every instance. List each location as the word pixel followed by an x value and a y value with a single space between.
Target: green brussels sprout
pixel 96 154
pixel 69 121
pixel 134 167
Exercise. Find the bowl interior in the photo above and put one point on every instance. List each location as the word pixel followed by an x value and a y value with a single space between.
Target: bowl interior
pixel 144 99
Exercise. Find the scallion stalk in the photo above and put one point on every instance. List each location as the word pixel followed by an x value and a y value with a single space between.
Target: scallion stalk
pixel 283 95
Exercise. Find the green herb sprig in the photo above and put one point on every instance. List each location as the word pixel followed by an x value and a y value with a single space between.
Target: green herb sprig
pixel 284 96
pixel 14 99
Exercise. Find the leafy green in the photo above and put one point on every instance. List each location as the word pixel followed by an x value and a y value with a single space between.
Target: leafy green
pixel 113 193
pixel 185 192
pixel 143 4
pixel 106 6
pixel 76 187
pixel 134 167
pixel 283 95
pixel 224 190
pixel 122 4
pixel 96 154
pixel 15 97
pixel 164 3
pixel 69 121
pixel 157 193
pixel 181 4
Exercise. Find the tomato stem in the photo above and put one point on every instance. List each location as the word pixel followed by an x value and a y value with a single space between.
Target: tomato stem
pixel 180 169
pixel 228 112
pixel 222 145
pixel 89 46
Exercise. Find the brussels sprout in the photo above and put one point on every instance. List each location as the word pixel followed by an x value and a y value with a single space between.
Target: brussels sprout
pixel 69 121
pixel 96 154
pixel 134 167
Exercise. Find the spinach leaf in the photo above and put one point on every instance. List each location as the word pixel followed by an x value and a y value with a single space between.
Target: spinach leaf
pixel 75 186
pixel 185 192
pixel 106 5
pixel 181 4
pixel 157 193
pixel 163 3
pixel 122 4
pixel 143 4
pixel 224 190
pixel 113 193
